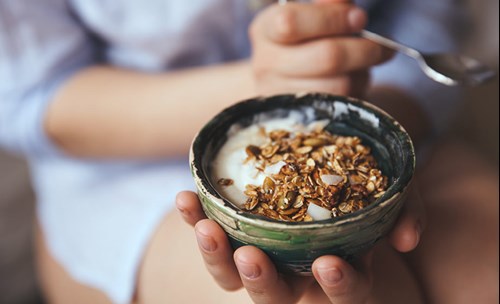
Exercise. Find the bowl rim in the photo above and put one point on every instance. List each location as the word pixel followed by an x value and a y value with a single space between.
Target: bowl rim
pixel 203 184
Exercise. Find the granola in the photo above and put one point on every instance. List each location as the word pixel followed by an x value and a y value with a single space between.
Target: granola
pixel 336 173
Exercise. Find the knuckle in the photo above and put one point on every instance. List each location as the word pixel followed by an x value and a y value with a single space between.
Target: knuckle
pixel 338 18
pixel 340 291
pixel 286 27
pixel 212 262
pixel 255 290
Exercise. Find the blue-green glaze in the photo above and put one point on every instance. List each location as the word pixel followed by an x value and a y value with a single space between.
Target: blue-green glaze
pixel 294 246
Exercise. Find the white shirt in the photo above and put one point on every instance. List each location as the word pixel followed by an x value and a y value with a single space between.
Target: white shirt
pixel 85 206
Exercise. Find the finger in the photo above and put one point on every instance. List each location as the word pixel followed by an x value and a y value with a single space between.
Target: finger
pixel 297 22
pixel 321 58
pixel 217 254
pixel 341 282
pixel 262 281
pixel 189 206
pixel 353 84
pixel 410 225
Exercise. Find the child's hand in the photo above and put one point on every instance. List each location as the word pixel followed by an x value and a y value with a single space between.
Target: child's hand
pixel 249 267
pixel 311 47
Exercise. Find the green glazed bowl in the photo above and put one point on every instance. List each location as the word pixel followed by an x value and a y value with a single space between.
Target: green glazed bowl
pixel 294 246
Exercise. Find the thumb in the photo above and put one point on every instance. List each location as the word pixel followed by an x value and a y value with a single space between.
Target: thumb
pixel 341 282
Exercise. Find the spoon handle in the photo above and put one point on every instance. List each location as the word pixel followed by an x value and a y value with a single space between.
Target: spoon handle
pixel 390 44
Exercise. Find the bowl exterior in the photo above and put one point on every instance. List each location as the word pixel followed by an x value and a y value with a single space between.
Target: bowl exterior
pixel 294 248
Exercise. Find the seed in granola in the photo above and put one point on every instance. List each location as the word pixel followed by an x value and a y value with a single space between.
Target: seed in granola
pixel 283 203
pixel 269 150
pixel 252 151
pixel 289 211
pixel 370 187
pixel 300 214
pixel 355 179
pixel 251 193
pixel 314 142
pixel 337 166
pixel 330 149
pixel 299 201
pixel 268 185
pixel 310 162
pixel 251 203
pixel 345 207
pixel 289 169
pixel 304 149
pixel 278 134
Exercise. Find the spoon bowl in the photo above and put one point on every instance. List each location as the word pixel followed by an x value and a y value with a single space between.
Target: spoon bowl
pixel 454 69
pixel 446 68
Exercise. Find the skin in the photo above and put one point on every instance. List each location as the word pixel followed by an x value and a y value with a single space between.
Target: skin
pixel 296 48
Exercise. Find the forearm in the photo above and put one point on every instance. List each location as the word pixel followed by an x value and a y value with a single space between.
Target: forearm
pixel 110 112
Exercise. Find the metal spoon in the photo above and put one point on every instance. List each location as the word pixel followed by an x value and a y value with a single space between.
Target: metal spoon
pixel 446 68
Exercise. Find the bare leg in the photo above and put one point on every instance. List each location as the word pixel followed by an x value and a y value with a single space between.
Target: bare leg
pixel 58 287
pixel 172 272
pixel 457 259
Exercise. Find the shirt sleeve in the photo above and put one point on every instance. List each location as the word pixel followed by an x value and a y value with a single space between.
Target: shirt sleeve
pixel 41 45
pixel 429 26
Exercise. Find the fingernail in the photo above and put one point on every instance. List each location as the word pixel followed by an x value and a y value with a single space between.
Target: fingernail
pixel 250 271
pixel 206 242
pixel 357 19
pixel 330 276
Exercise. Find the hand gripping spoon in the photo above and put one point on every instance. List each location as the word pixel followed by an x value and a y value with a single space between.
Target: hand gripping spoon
pixel 446 68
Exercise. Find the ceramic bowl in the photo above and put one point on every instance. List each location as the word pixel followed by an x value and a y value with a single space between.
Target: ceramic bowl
pixel 294 246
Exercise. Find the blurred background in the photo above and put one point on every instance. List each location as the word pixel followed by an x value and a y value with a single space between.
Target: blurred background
pixel 477 123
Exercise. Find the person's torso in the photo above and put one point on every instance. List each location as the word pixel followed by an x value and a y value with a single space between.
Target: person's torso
pixel 167 34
